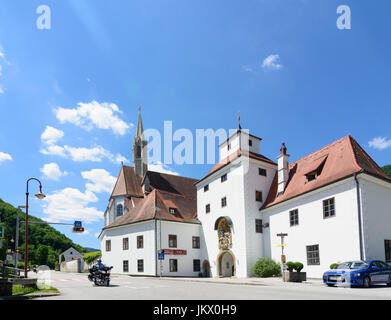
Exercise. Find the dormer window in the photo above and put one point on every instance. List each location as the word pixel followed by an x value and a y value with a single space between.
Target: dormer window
pixel 311 176
pixel 120 210
pixel 172 210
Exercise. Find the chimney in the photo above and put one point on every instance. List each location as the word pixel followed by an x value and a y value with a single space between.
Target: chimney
pixel 283 169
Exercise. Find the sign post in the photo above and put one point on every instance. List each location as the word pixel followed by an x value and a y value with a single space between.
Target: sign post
pixel 283 257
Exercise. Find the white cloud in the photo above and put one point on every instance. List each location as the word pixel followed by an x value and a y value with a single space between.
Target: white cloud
pixel 55 150
pixel 52 171
pixel 51 135
pixel 71 204
pixel 271 62
pixel 100 180
pixel 380 143
pixel 160 167
pixel 1 90
pixel 95 154
pixel 247 69
pixel 5 157
pixel 87 115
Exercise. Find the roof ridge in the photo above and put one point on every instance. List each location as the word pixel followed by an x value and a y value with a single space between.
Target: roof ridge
pixel 316 151
pixel 170 174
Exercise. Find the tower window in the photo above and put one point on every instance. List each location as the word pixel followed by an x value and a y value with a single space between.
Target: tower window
pixel 120 210
pixel 258 196
pixel 250 142
pixel 224 202
pixel 262 172
pixel 229 146
pixel 206 188
pixel 224 178
pixel 207 208
pixel 138 151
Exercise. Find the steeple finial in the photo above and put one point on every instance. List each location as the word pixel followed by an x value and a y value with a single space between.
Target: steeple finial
pixel 239 127
pixel 139 108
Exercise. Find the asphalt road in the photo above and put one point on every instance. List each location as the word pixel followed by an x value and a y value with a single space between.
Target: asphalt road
pixel 77 287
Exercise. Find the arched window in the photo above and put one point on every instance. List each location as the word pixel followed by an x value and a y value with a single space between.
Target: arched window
pixel 120 210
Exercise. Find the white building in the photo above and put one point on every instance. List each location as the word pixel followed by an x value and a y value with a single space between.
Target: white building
pixel 333 204
pixel 70 254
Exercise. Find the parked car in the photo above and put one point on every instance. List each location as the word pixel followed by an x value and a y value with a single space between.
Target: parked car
pixel 359 273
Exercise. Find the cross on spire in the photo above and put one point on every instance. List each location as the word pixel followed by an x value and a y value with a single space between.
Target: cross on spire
pixel 239 127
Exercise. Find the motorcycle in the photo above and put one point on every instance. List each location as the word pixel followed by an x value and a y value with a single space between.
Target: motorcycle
pixel 99 274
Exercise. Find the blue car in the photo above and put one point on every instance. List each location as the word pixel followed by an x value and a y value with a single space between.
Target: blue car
pixel 359 273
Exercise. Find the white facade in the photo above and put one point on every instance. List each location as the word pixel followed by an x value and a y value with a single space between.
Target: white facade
pixel 150 231
pixel 70 254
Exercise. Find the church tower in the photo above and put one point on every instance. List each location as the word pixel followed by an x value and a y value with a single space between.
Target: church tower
pixel 140 150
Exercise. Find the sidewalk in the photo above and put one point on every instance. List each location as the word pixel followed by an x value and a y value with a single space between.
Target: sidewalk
pixel 275 281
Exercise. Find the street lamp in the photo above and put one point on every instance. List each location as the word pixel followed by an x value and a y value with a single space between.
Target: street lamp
pixel 40 196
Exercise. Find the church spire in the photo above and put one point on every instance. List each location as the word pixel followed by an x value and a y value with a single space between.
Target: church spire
pixel 140 150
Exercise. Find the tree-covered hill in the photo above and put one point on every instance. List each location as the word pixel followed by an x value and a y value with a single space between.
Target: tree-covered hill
pixel 45 243
pixel 387 169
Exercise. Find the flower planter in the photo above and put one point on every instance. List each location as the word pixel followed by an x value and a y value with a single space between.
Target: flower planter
pixel 294 276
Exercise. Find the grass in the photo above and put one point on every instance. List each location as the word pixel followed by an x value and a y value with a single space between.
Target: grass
pixel 18 289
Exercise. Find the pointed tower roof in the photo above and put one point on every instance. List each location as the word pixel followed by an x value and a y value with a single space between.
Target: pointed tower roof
pixel 140 129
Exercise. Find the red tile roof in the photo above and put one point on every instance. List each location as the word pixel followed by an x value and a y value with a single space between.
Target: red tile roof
pixel 341 158
pixel 186 210
pixel 168 191
pixel 222 163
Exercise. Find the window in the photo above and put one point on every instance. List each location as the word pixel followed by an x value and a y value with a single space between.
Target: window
pixel 262 172
pixel 223 202
pixel 387 246
pixel 206 188
pixel 172 243
pixel 125 244
pixel 207 208
pixel 125 266
pixel 294 217
pixel 108 245
pixel 328 208
pixel 196 242
pixel 258 196
pixel 120 210
pixel 258 226
pixel 196 265
pixel 172 210
pixel 313 255
pixel 311 176
pixel 224 177
pixel 173 265
pixel 138 152
pixel 229 146
pixel 250 142
pixel 140 242
pixel 140 265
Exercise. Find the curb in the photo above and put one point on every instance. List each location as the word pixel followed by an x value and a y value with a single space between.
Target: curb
pixel 31 296
pixel 212 281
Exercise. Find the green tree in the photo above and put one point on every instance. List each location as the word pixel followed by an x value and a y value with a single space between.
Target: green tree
pixel 387 169
pixel 42 255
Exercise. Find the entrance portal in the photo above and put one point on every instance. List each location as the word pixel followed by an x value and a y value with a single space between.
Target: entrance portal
pixel 226 264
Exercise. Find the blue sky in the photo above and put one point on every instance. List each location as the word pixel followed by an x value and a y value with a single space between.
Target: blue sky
pixel 294 76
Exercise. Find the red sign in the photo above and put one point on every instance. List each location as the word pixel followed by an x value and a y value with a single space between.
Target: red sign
pixel 175 252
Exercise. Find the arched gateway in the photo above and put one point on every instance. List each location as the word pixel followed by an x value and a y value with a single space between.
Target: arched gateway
pixel 226 262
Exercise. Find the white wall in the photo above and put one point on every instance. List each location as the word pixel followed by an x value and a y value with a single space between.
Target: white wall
pixel 376 212
pixel 183 231
pixel 116 256
pixel 337 237
pixel 255 182
pixel 233 189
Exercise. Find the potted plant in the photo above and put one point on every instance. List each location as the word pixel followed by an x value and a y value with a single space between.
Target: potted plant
pixel 294 273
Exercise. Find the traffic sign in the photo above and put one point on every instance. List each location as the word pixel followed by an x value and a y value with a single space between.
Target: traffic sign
pixel 77 224
pixel 160 256
pixel 283 258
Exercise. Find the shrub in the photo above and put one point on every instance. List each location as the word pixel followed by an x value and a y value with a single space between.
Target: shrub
pixel 290 265
pixel 333 265
pixel 20 265
pixel 298 266
pixel 266 267
pixel 90 257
